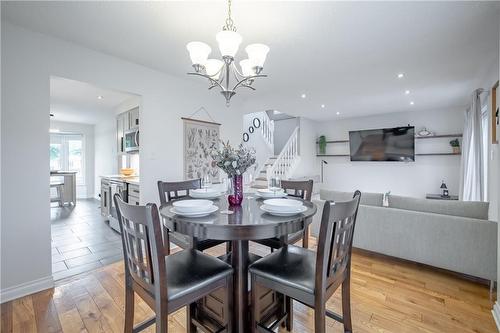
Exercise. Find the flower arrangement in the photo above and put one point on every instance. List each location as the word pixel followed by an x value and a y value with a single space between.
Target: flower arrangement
pixel 233 162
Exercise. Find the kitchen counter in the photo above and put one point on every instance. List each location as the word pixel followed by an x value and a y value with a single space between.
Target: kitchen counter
pixel 127 179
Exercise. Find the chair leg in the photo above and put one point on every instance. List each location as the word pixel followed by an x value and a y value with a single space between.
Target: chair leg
pixel 319 318
pixel 229 304
pixel 129 310
pixel 190 313
pixel 346 303
pixel 254 299
pixel 289 311
pixel 305 238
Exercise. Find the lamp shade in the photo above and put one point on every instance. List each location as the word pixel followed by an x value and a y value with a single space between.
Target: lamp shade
pixel 246 68
pixel 212 68
pixel 257 54
pixel 229 42
pixel 198 52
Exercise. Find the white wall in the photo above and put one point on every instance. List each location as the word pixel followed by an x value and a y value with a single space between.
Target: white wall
pixel 105 150
pixel 28 61
pixel 282 131
pixel 256 140
pixel 410 179
pixel 308 164
pixel 86 191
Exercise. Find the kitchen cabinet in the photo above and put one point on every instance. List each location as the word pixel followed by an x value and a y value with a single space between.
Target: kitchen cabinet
pixel 105 198
pixel 133 194
pixel 125 121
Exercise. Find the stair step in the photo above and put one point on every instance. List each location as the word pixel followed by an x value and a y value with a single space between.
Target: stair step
pixel 261 178
pixel 263 171
pixel 258 186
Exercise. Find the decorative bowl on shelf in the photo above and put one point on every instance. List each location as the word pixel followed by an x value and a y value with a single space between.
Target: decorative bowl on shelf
pixel 127 172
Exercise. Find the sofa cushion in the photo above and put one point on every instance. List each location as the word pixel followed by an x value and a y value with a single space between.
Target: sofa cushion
pixel 471 209
pixel 367 199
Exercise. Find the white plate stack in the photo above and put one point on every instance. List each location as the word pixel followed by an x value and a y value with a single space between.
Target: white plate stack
pixel 283 207
pixel 268 194
pixel 193 208
pixel 205 193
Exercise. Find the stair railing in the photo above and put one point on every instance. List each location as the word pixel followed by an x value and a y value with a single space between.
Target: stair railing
pixel 286 160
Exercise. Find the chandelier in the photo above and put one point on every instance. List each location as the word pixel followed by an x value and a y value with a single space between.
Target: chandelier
pixel 219 72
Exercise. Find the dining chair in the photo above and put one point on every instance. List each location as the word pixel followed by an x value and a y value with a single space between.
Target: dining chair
pixel 166 283
pixel 299 189
pixel 308 277
pixel 169 191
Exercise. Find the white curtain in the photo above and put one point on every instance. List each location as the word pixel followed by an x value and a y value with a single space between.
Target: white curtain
pixel 472 179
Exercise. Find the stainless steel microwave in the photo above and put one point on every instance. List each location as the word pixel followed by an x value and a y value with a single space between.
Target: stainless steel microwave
pixel 131 140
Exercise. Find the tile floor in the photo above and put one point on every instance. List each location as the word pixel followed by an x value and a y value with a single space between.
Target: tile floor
pixel 81 240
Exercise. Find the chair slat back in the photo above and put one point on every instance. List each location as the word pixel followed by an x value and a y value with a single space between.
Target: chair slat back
pixel 142 245
pixel 175 190
pixel 298 188
pixel 335 239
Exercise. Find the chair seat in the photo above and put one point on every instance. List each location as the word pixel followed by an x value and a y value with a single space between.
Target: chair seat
pixel 186 242
pixel 290 266
pixel 191 270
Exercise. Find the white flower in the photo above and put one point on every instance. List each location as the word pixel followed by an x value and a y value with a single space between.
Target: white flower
pixel 235 164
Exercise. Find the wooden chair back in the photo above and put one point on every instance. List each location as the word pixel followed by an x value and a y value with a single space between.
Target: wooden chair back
pixel 142 243
pixel 298 188
pixel 176 190
pixel 334 251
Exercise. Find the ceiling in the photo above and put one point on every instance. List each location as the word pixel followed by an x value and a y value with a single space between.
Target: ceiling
pixel 345 55
pixel 78 102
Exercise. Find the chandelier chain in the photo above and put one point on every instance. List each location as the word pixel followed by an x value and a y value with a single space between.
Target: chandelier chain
pixel 229 20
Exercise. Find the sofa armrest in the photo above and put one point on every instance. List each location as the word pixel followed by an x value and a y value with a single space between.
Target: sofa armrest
pixel 316 220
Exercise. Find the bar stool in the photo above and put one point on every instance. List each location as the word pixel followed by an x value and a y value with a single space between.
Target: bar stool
pixel 59 186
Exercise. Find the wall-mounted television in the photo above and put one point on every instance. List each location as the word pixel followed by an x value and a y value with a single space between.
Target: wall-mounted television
pixel 395 144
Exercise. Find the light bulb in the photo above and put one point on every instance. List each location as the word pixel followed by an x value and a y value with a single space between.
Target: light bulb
pixel 229 42
pixel 198 52
pixel 257 54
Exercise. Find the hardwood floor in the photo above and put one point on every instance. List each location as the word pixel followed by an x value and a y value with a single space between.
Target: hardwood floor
pixel 387 296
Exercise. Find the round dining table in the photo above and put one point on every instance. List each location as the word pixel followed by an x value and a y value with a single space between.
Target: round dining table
pixel 238 224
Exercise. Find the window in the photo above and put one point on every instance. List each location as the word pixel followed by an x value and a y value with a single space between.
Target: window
pixel 485 127
pixel 67 153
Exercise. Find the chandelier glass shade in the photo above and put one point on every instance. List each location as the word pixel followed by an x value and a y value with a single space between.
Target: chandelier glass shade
pixel 220 72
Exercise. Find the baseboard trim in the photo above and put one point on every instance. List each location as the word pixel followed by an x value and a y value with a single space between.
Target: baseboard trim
pixel 27 288
pixel 496 314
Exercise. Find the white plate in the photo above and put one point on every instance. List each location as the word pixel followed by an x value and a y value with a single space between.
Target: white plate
pixel 210 190
pixel 201 195
pixel 195 214
pixel 272 212
pixel 271 195
pixel 192 206
pixel 283 205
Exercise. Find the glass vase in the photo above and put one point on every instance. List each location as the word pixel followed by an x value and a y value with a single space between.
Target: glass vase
pixel 235 196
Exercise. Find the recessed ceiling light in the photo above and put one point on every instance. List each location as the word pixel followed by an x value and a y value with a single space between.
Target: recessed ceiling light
pixel 338 113
pixel 100 97
pixel 303 95
pixel 322 106
pixel 407 92
pixel 412 103
pixel 400 75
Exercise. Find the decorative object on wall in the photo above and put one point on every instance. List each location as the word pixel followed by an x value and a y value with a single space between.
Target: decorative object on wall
pixel 199 136
pixel 246 137
pixel 256 122
pixel 322 144
pixel 455 144
pixel 234 162
pixel 444 188
pixel 424 132
pixel 251 129
pixel 219 72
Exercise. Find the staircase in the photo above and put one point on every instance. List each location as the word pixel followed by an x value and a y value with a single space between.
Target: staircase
pixel 281 166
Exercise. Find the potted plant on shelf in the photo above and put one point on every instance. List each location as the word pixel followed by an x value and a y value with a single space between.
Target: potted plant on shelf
pixel 322 145
pixel 234 162
pixel 455 144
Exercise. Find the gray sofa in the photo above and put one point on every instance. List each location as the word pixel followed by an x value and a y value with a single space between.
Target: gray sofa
pixel 453 235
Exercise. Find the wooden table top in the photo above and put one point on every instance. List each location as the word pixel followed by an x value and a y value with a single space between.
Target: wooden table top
pixel 247 222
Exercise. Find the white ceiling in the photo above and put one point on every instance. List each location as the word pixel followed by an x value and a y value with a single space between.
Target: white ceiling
pixel 345 55
pixel 78 102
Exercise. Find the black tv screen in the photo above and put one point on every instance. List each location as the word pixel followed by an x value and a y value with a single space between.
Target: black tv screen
pixel 387 144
